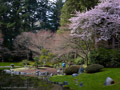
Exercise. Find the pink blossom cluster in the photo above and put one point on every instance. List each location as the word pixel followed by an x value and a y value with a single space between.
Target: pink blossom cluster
pixel 102 21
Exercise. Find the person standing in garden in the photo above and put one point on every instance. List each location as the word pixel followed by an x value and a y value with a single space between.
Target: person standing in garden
pixel 63 65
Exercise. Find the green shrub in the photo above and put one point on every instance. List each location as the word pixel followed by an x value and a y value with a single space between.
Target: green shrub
pixel 72 69
pixel 37 62
pixel 105 57
pixel 25 62
pixel 79 61
pixel 94 68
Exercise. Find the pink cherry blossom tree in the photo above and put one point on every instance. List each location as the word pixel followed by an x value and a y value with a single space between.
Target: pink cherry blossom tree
pixel 101 22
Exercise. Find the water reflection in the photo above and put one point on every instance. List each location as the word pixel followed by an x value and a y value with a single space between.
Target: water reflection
pixel 8 82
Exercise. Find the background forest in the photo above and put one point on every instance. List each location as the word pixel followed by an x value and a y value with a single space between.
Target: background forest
pixel 55 31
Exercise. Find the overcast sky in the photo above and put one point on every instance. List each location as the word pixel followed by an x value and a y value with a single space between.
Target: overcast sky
pixel 53 0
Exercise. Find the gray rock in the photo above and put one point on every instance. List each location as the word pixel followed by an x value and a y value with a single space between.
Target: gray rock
pixel 81 84
pixel 17 73
pixel 7 71
pixel 38 73
pixel 74 74
pixel 108 81
pixel 44 73
pixel 65 83
pixel 22 73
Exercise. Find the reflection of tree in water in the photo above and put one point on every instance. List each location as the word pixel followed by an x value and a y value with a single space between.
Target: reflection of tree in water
pixel 22 82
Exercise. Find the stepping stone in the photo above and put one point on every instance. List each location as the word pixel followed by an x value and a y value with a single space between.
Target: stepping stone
pixel 74 74
pixel 65 83
pixel 81 84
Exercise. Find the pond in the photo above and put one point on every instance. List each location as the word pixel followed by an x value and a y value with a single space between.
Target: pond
pixel 19 82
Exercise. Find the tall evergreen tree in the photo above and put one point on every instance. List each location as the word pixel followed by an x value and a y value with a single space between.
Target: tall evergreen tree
pixel 17 16
pixel 71 6
pixel 6 20
pixel 55 16
pixel 42 11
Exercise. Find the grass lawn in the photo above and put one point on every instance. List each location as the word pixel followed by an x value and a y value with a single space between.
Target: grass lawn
pixel 15 63
pixel 92 81
pixel 9 63
pixel 4 68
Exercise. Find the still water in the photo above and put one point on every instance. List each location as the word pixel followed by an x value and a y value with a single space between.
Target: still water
pixel 18 82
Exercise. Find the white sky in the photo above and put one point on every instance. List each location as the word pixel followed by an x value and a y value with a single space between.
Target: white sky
pixel 52 0
pixel 55 0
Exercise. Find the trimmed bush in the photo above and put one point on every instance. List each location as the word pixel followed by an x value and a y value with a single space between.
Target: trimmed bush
pixel 94 68
pixel 105 57
pixel 72 69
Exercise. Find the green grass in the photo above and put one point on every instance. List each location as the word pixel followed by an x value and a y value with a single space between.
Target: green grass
pixel 92 81
pixel 4 68
pixel 9 63
pixel 15 63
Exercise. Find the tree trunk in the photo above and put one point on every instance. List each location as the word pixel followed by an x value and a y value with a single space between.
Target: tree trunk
pixel 95 38
pixel 86 61
pixel 113 43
